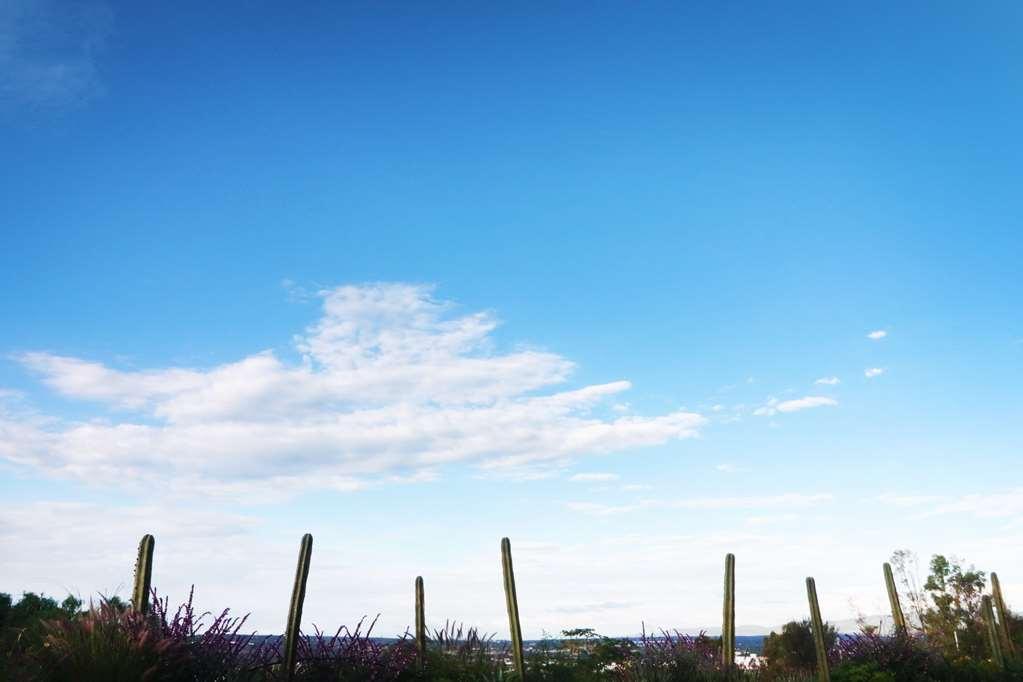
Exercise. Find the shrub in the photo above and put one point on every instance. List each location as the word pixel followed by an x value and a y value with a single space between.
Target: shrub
pixel 675 657
pixel 794 649
pixel 355 655
pixel 214 651
pixel 861 672
pixel 108 643
pixel 457 653
pixel 906 657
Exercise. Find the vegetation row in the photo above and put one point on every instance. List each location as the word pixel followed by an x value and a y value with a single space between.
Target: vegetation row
pixel 953 631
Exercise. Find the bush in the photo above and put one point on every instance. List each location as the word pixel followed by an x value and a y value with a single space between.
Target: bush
pixel 106 644
pixel 794 648
pixel 354 655
pixel 111 642
pixel 675 657
pixel 906 657
pixel 22 630
pixel 861 672
pixel 457 653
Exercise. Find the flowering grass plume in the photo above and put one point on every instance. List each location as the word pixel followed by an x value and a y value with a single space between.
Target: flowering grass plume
pixel 353 654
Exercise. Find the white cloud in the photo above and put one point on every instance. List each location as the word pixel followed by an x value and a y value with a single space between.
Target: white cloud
pixel 10 395
pixel 593 477
pixel 598 509
pixel 906 500
pixel 589 609
pixel 787 500
pixel 774 406
pixel 391 382
pixel 828 381
pixel 877 335
pixel 872 372
pixel 1000 504
pixel 771 519
pixel 987 506
pixel 728 468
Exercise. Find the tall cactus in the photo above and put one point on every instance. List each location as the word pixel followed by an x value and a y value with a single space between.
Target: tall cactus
pixel 291 636
pixel 513 608
pixel 143 575
pixel 992 631
pixel 728 617
pixel 1003 617
pixel 420 621
pixel 898 618
pixel 823 672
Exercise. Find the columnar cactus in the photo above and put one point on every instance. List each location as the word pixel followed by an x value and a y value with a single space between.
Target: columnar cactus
pixel 420 621
pixel 728 617
pixel 291 636
pixel 513 608
pixel 143 575
pixel 992 631
pixel 1003 616
pixel 898 618
pixel 823 672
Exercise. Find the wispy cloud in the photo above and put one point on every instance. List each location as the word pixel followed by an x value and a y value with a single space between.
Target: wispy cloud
pixel 391 382
pixel 788 500
pixel 1004 504
pixel 595 607
pixel 48 50
pixel 877 335
pixel 10 394
pixel 594 478
pixel 828 381
pixel 899 500
pixel 774 406
pixel 998 504
pixel 872 372
pixel 727 468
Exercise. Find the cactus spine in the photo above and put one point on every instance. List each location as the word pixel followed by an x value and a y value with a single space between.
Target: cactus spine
pixel 420 621
pixel 305 553
pixel 1003 616
pixel 992 631
pixel 513 607
pixel 143 575
pixel 898 618
pixel 823 672
pixel 728 617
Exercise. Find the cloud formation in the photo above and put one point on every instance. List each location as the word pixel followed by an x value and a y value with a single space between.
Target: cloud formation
pixel 787 500
pixel 828 381
pixel 774 406
pixel 877 335
pixel 390 382
pixel 593 478
pixel 872 372
pixel 999 504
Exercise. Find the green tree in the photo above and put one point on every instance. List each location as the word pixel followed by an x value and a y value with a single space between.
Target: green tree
pixel 953 621
pixel 793 648
pixel 22 630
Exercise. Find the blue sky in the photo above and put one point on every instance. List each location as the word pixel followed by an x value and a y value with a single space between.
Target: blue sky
pixel 415 277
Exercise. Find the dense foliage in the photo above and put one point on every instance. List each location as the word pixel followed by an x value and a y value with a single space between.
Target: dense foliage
pixel 793 647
